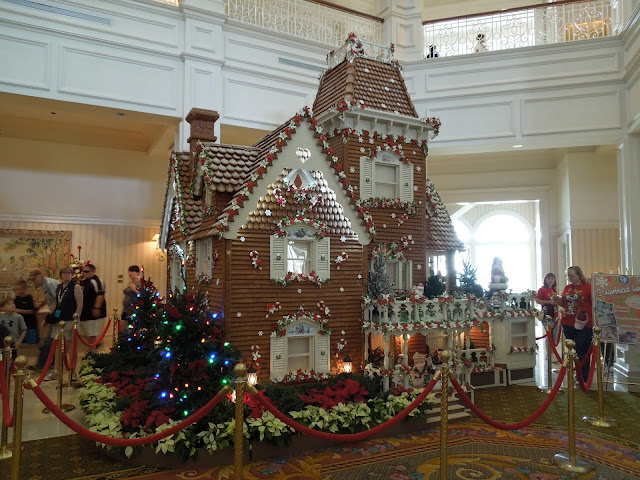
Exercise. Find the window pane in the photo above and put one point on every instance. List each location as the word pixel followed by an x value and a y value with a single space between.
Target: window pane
pixel 386 173
pixel 298 256
pixel 392 270
pixel 299 353
pixel 504 228
pixel 515 261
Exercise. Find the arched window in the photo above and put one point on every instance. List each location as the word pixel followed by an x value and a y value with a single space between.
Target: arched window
pixel 508 237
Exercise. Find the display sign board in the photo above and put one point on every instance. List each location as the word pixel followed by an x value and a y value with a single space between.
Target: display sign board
pixel 616 306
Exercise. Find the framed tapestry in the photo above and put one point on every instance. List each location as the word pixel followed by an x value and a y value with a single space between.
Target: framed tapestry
pixel 23 250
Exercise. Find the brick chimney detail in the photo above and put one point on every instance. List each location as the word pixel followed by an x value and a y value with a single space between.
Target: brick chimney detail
pixel 202 124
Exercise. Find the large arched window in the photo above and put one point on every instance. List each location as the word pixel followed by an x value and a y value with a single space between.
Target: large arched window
pixel 506 236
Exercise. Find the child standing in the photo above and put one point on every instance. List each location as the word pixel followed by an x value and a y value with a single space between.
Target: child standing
pixel 14 323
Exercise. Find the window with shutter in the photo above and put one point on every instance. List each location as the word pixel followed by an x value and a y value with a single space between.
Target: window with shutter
pixel 386 177
pixel 177 255
pixel 323 260
pixel 406 182
pixel 302 348
pixel 278 257
pixel 278 358
pixel 400 273
pixel 366 177
pixel 209 243
pixel 300 252
pixel 322 350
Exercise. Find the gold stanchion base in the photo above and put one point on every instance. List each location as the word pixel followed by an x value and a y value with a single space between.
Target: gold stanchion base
pixel 5 453
pixel 547 390
pixel 578 466
pixel 600 422
pixel 65 407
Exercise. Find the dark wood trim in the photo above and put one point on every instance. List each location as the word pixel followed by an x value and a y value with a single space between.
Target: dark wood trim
pixel 347 10
pixel 507 10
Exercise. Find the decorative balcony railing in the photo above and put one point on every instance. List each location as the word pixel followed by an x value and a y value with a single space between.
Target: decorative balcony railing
pixel 398 316
pixel 541 24
pixel 305 19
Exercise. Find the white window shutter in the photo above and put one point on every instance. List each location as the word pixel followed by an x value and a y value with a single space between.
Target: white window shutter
pixel 278 257
pixel 366 177
pixel 406 182
pixel 278 358
pixel 209 243
pixel 323 258
pixel 322 353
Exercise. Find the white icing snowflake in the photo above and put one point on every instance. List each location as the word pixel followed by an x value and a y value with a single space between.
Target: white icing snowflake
pixel 386 89
pixel 343 239
pixel 267 213
pixel 602 282
pixel 419 202
pixel 370 89
pixel 342 289
pixel 413 242
pixel 361 102
pixel 384 225
pixel 410 237
pixel 393 215
pixel 419 266
pixel 217 281
pixel 418 168
pixel 396 112
pixel 366 70
pixel 415 188
pixel 242 239
pixel 361 149
pixel 342 332
pixel 392 80
pixel 383 105
pixel 359 276
pixel 260 333
pixel 352 170
pixel 239 314
pixel 299 290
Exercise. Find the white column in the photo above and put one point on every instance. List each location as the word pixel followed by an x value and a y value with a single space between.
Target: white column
pixel 403 27
pixel 203 59
pixel 627 367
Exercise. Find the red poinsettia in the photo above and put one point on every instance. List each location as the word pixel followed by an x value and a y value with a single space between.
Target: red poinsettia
pixel 132 416
pixel 342 392
pixel 159 417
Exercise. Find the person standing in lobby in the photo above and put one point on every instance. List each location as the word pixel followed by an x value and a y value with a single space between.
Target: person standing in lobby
pixel 94 309
pixel 49 286
pixel 577 320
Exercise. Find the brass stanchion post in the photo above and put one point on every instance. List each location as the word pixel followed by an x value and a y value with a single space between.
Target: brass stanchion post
pixel 444 412
pixel 70 385
pixel 115 326
pixel 241 379
pixel 6 358
pixel 21 363
pixel 570 463
pixel 65 407
pixel 549 329
pixel 601 421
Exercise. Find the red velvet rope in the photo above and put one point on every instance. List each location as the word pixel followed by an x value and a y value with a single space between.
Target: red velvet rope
pixel 6 413
pixel 559 335
pixel 344 437
pixel 74 352
pixel 586 386
pixel 510 426
pixel 52 352
pixel 553 348
pixel 125 442
pixel 91 345
pixel 584 361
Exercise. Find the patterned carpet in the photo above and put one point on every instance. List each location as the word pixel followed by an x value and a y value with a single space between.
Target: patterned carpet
pixel 475 451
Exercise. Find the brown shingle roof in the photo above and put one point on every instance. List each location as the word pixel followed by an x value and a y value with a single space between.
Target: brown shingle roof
pixel 228 165
pixel 441 236
pixel 379 85
pixel 192 209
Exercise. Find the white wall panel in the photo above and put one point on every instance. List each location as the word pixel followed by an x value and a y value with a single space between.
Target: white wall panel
pixel 252 100
pixel 115 77
pixel 595 249
pixel 14 70
pixel 471 121
pixel 111 248
pixel 595 110
pixel 568 67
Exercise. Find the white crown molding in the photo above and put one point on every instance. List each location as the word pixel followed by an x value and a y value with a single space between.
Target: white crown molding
pixel 593 225
pixel 5 217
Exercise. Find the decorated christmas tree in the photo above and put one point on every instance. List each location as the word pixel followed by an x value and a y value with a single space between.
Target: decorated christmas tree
pixel 378 280
pixel 468 280
pixel 145 322
pixel 434 286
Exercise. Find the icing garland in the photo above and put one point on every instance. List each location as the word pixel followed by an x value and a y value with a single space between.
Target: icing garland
pixel 321 228
pixel 291 277
pixel 203 279
pixel 179 220
pixel 280 326
pixel 410 207
pixel 529 349
pixel 389 250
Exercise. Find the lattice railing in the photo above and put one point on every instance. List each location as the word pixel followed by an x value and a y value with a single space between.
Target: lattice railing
pixel 304 19
pixel 536 25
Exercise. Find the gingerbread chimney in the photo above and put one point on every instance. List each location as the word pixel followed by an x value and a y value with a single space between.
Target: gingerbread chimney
pixel 202 124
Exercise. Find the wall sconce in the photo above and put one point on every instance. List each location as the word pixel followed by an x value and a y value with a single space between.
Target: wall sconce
pixel 347 365
pixel 252 376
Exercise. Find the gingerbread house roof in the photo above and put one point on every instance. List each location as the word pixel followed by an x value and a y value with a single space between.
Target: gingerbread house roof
pixel 330 209
pixel 375 84
pixel 441 236
pixel 229 165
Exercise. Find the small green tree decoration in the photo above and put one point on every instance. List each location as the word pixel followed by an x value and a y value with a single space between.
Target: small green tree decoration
pixel 434 287
pixel 378 280
pixel 468 280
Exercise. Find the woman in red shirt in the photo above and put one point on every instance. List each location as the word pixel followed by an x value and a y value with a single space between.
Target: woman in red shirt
pixel 543 297
pixel 577 320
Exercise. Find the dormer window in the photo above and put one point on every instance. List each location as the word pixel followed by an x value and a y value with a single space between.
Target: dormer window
pixel 385 176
